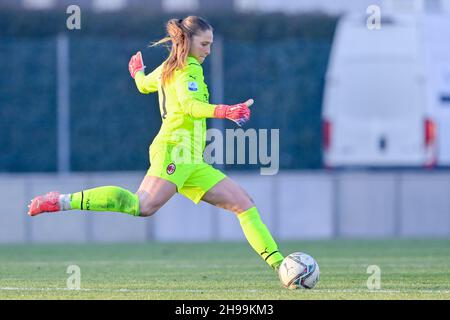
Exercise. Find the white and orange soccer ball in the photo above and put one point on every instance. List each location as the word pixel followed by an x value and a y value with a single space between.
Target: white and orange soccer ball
pixel 299 270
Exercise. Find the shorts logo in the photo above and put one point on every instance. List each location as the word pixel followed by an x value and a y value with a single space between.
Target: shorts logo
pixel 192 86
pixel 171 168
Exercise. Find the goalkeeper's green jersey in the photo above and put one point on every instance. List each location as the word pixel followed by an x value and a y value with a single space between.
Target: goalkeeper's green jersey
pixel 184 105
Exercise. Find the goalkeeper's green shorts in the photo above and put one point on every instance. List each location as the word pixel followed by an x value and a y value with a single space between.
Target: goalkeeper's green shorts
pixel 193 180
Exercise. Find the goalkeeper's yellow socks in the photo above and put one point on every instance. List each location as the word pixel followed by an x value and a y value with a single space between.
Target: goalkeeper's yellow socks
pixel 259 237
pixel 109 198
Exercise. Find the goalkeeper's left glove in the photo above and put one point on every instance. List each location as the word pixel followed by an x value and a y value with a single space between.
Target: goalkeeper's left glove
pixel 136 64
pixel 239 113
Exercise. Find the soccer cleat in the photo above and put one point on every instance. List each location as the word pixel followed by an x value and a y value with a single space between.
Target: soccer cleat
pixel 45 203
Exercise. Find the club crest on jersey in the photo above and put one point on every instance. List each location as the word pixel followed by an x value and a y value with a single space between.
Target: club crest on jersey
pixel 192 86
pixel 171 168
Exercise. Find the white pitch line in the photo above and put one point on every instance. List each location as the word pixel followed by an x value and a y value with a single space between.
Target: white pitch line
pixel 223 290
pixel 132 263
pixel 125 290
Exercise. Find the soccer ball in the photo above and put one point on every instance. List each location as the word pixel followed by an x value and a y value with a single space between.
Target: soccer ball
pixel 299 270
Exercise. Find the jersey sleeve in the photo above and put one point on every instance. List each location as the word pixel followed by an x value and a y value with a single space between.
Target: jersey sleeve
pixel 191 92
pixel 147 83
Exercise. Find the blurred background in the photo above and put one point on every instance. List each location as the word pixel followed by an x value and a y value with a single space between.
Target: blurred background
pixel 359 90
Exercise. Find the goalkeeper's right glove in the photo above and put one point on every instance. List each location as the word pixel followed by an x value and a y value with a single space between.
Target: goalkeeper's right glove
pixel 136 64
pixel 239 113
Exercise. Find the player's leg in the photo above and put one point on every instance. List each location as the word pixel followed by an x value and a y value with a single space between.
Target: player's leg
pixel 211 185
pixel 228 195
pixel 155 190
pixel 153 193
pixel 105 198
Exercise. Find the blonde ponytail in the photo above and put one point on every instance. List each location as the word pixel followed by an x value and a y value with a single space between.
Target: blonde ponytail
pixel 180 33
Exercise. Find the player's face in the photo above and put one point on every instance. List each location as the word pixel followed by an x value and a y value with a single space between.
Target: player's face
pixel 201 45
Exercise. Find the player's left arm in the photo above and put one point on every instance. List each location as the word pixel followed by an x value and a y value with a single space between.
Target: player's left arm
pixel 189 87
pixel 191 92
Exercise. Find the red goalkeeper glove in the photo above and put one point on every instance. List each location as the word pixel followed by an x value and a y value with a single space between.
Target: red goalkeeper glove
pixel 136 64
pixel 239 113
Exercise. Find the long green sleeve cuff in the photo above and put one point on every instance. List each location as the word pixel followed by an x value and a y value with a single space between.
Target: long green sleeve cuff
pixel 147 83
pixel 199 109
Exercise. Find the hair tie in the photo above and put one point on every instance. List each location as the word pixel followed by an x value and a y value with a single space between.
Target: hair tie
pixel 180 25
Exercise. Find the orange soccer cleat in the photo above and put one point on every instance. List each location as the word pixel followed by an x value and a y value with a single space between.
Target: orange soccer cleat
pixel 45 203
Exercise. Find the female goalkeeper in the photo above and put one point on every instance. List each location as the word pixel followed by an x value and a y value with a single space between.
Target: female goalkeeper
pixel 183 101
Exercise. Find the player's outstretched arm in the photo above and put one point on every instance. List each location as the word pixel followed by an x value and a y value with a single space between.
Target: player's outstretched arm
pixel 239 113
pixel 191 95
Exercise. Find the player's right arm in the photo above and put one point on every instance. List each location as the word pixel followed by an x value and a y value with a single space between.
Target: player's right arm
pixel 144 83
pixel 147 83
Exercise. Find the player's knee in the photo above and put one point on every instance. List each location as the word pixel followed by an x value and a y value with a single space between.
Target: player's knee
pixel 243 204
pixel 147 206
pixel 148 209
pixel 246 201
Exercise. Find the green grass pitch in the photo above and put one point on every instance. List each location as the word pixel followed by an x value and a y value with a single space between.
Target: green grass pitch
pixel 410 269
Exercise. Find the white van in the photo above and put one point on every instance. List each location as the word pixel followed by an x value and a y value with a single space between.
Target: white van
pixel 387 93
